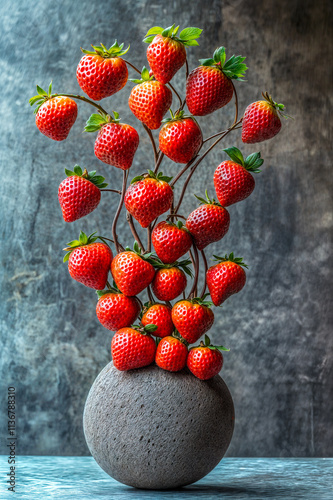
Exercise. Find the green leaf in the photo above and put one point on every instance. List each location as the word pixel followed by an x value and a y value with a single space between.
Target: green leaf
pixel 35 99
pixel 102 186
pixel 207 340
pixel 150 328
pixel 83 238
pixel 136 247
pixel 190 43
pixel 136 179
pixel 219 55
pixel 41 91
pixel 116 115
pixel 69 173
pixel 253 162
pixel 98 179
pixel 221 348
pixel 190 33
pixel 148 39
pixel 66 257
pixel 145 73
pixel 156 30
pixel 179 224
pixel 234 67
pixel 95 122
pixel 50 88
pixel 207 62
pixel 168 31
pixel 78 170
pixel 235 154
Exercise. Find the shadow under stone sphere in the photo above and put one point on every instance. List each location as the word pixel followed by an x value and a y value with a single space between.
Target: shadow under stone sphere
pixel 153 429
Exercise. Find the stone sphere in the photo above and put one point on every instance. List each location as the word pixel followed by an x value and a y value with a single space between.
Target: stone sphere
pixel 154 429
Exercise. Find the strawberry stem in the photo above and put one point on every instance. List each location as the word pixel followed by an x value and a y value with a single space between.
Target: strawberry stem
pixel 120 206
pixel 81 98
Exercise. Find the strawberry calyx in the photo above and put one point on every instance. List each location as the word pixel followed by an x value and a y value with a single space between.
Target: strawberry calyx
pixel 251 163
pixel 145 76
pixel 180 115
pixel 97 120
pixel 201 301
pixel 233 68
pixel 183 265
pixel 278 107
pixel 207 201
pixel 110 289
pixel 187 36
pixel 82 241
pixel 115 50
pixel 98 180
pixel 145 330
pixel 208 344
pixel 41 97
pixel 230 258
pixel 151 175
pixel 176 335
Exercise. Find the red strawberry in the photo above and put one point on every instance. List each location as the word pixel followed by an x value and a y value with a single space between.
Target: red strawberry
pixel 132 348
pixel 131 272
pixel 114 310
pixel 166 53
pixel 171 241
pixel 80 193
pixel 116 143
pixel 159 315
pixel 208 223
pixel 171 354
pixel 170 281
pixel 149 100
pixel 55 115
pixel 192 318
pixel 102 73
pixel 205 361
pixel 148 197
pixel 232 179
pixel 225 278
pixel 180 138
pixel 89 262
pixel 209 87
pixel 261 120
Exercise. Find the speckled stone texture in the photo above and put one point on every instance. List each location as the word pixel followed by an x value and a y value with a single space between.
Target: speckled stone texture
pixel 153 429
pixel 279 327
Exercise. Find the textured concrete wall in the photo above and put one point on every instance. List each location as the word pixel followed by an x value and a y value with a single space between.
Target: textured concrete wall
pixel 279 370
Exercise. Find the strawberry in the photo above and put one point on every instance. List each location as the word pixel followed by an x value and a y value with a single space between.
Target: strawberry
pixel 205 361
pixel 208 223
pixel 166 53
pixel 261 120
pixel 148 196
pixel 232 179
pixel 209 87
pixel 170 281
pixel 132 348
pixel 116 143
pixel 89 262
pixel 102 72
pixel 114 310
pixel 132 272
pixel 225 278
pixel 80 193
pixel 55 115
pixel 171 241
pixel 149 100
pixel 171 354
pixel 159 315
pixel 192 318
pixel 180 138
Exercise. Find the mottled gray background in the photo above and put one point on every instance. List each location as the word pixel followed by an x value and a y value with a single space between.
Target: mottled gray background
pixel 279 369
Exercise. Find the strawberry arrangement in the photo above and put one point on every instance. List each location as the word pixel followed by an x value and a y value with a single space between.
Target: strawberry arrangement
pixel 158 330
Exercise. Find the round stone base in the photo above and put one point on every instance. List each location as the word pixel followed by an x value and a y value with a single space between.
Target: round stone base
pixel 153 429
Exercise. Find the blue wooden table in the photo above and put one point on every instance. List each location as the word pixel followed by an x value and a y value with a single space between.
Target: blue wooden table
pixel 238 478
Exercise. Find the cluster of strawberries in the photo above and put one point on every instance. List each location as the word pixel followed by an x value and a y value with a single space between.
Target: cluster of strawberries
pixel 165 331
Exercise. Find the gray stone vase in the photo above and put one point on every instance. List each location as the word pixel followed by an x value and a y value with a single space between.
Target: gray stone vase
pixel 154 429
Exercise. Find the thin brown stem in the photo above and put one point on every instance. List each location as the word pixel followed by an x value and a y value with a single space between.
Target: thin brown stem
pixel 152 140
pixel 134 232
pixel 236 103
pixel 193 291
pixel 176 215
pixel 218 134
pixel 187 70
pixel 108 285
pixel 203 291
pixel 132 66
pixel 111 190
pixel 159 161
pixel 176 93
pixel 82 98
pixel 178 176
pixel 116 217
pixel 149 238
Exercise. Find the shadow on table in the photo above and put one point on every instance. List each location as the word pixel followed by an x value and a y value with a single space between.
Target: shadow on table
pixel 211 491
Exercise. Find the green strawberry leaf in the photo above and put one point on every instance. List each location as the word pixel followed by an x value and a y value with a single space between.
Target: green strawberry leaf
pixel 179 224
pixel 66 257
pixel 253 162
pixel 207 340
pixel 148 39
pixel 190 34
pixel 219 55
pixel 91 174
pixel 115 50
pixel 190 43
pixel 207 62
pixel 95 122
pixel 156 30
pixel 83 238
pixel 231 258
pixel 137 179
pixel 235 154
pixel 78 170
pixel 168 31
pixel 69 173
pixel 41 91
pixel 150 328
